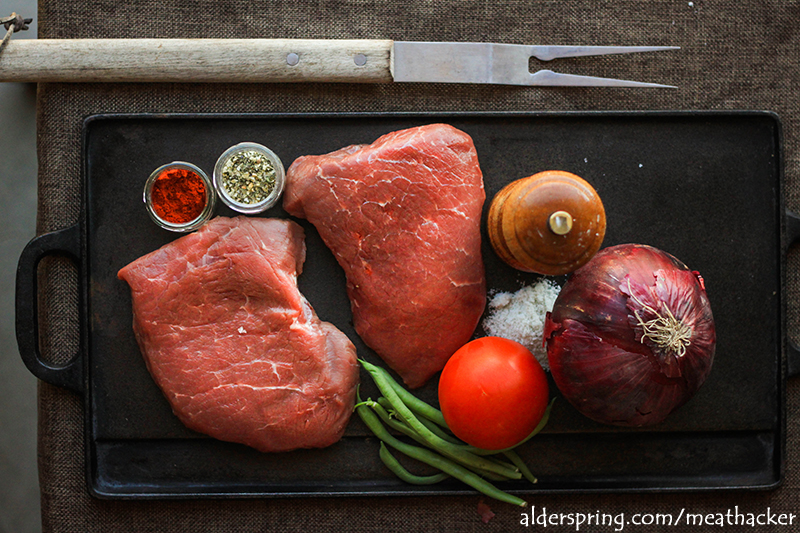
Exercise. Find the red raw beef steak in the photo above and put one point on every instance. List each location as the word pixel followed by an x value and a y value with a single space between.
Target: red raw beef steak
pixel 236 349
pixel 402 216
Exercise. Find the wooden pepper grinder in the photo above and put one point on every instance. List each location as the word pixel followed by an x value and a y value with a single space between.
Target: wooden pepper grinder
pixel 550 223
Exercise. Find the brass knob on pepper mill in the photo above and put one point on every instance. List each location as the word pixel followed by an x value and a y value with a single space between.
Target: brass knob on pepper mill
pixel 550 223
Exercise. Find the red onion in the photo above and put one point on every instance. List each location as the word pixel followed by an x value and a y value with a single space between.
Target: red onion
pixel 631 336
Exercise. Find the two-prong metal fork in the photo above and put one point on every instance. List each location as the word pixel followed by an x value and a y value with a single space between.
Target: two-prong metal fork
pixel 295 60
pixel 505 64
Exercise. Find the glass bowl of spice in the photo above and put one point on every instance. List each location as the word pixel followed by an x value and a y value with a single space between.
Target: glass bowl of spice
pixel 249 178
pixel 179 196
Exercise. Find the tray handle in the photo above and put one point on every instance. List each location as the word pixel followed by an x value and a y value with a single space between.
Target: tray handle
pixel 792 349
pixel 62 242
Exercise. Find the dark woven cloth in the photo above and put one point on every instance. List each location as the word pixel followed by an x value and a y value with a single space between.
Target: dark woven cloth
pixel 735 55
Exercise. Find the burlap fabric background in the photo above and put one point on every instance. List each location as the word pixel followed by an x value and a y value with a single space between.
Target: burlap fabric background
pixel 735 55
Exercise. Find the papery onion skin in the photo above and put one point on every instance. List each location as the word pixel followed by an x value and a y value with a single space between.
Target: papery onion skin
pixel 601 357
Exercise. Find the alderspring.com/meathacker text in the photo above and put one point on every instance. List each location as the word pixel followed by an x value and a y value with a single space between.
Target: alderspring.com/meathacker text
pixel 542 518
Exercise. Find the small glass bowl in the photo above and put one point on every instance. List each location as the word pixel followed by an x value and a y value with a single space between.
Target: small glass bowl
pixel 185 227
pixel 275 193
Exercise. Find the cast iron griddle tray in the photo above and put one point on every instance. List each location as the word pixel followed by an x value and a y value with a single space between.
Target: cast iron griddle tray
pixel 706 187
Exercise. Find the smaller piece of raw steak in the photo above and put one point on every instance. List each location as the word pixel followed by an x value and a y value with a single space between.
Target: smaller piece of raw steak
pixel 236 349
pixel 402 216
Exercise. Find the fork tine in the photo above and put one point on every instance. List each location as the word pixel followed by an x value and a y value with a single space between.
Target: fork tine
pixel 548 53
pixel 548 78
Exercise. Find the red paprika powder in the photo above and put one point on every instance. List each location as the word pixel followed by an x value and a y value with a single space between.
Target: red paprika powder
pixel 178 195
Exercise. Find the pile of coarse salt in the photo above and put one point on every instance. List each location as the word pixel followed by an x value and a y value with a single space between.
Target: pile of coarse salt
pixel 519 316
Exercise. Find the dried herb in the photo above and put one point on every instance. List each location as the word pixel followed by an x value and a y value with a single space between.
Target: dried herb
pixel 248 177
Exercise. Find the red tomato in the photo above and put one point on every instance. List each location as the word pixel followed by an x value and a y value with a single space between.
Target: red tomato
pixel 493 393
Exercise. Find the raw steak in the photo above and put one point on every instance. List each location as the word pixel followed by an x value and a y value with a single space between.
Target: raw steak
pixel 402 216
pixel 236 349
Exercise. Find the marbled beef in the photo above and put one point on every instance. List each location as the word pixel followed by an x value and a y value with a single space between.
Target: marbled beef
pixel 236 349
pixel 402 216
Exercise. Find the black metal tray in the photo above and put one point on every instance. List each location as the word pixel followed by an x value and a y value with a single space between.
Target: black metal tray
pixel 706 187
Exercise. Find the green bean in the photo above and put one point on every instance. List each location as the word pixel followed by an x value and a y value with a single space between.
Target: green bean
pixel 414 404
pixel 439 431
pixel 519 463
pixel 510 454
pixel 405 429
pixel 399 415
pixel 400 471
pixel 434 415
pixel 433 459
pixel 480 469
pixel 448 449
pixel 431 425
pixel 394 423
pixel 386 404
